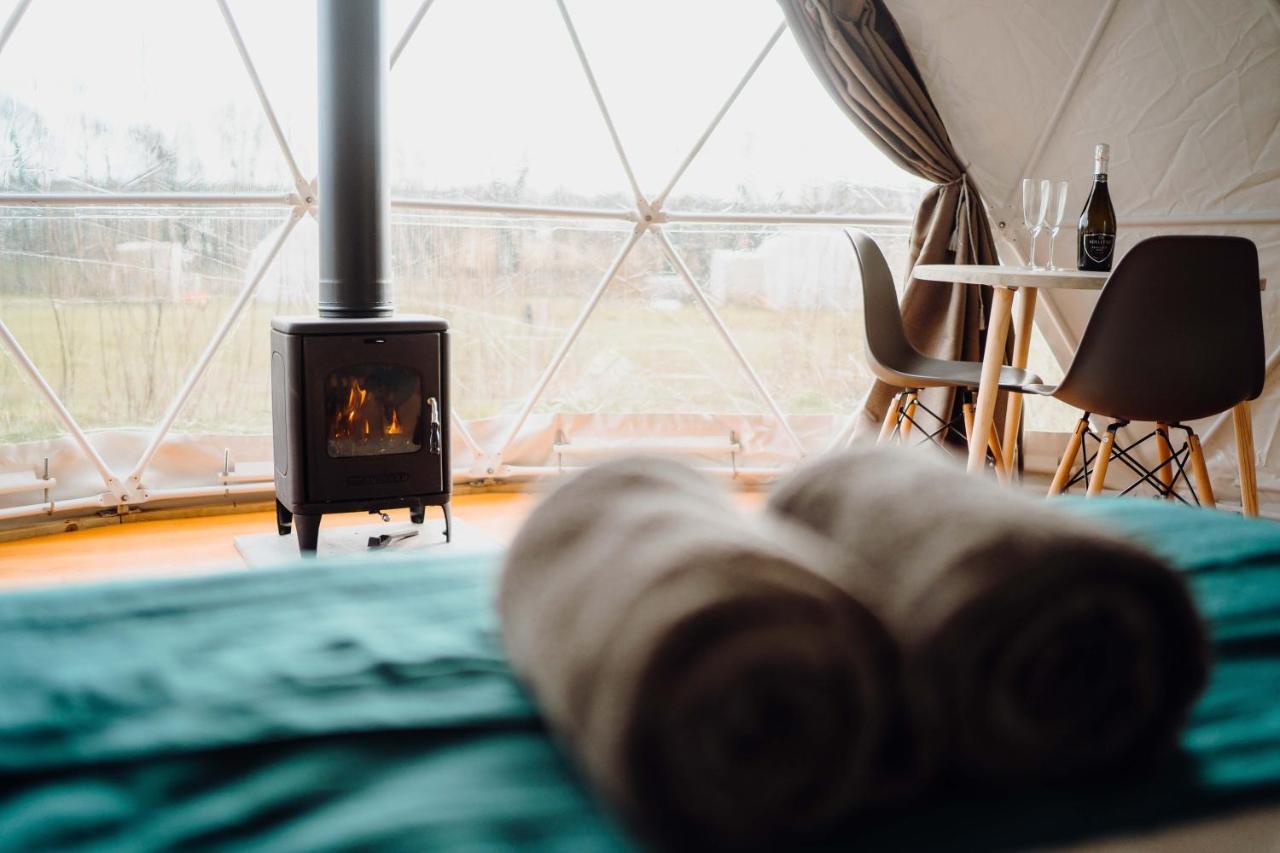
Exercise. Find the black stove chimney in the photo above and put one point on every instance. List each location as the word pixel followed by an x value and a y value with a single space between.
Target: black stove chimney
pixel 355 204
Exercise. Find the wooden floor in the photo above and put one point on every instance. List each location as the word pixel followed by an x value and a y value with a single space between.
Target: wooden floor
pixel 197 545
pixel 188 546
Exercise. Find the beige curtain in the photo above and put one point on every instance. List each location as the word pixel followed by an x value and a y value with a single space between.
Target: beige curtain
pixel 855 48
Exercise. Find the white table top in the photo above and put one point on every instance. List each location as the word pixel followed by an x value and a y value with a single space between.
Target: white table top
pixel 998 276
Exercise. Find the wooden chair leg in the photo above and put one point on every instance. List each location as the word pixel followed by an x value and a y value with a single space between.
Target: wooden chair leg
pixel 1165 451
pixel 993 444
pixel 890 419
pixel 1245 458
pixel 1063 473
pixel 908 420
pixel 1204 489
pixel 1100 463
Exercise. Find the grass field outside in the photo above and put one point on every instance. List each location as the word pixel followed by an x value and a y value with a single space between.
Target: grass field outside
pixel 115 308
pixel 118 364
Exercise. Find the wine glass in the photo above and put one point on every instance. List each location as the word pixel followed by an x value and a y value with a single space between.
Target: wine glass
pixel 1033 211
pixel 1057 206
pixel 1046 190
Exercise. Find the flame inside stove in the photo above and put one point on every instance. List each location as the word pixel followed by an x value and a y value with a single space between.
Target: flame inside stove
pixel 363 416
pixel 373 410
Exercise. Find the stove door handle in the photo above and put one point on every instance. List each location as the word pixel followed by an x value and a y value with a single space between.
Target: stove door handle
pixel 433 434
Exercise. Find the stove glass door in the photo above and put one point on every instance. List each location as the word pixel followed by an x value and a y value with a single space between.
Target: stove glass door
pixel 373 410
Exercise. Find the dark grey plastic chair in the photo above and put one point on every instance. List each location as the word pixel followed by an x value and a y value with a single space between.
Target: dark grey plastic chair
pixel 1176 336
pixel 896 361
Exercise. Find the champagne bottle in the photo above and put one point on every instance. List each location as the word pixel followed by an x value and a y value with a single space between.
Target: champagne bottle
pixel 1096 237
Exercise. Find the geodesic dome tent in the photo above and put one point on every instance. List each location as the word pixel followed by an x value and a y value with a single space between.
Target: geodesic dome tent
pixel 630 216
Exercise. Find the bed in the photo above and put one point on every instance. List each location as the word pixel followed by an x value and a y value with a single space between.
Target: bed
pixel 368 704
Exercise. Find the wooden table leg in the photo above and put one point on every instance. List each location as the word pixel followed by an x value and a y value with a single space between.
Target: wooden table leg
pixel 1244 456
pixel 989 389
pixel 1026 315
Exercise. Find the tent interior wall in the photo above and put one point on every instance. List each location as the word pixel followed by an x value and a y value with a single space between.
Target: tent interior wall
pixel 1186 93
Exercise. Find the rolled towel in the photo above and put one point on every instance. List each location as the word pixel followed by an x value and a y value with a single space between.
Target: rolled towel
pixel 713 687
pixel 1034 646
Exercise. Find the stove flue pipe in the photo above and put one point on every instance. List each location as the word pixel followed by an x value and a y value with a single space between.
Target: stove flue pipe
pixel 355 199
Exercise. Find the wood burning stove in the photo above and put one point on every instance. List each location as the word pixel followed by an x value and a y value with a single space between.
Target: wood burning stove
pixel 359 396
pixel 358 418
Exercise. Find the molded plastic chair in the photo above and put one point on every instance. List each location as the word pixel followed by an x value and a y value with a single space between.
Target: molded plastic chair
pixel 1176 335
pixel 896 361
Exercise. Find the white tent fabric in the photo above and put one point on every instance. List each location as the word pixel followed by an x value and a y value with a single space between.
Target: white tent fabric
pixel 1186 93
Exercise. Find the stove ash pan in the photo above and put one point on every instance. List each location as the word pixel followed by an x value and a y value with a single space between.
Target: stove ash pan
pixel 360 420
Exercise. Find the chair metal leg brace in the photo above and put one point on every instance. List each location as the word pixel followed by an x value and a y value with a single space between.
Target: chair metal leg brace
pixel 1087 471
pixel 1173 466
pixel 901 419
pixel 946 426
pixel 1152 477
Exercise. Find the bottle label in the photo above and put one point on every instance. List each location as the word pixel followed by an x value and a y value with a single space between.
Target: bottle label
pixel 1098 246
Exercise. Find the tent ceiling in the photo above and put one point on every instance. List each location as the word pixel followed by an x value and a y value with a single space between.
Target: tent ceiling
pixel 1186 93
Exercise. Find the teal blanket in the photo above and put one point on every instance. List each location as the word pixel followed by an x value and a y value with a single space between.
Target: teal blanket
pixel 368 705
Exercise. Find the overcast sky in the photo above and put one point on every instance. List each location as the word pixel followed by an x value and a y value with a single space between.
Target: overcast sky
pixel 486 90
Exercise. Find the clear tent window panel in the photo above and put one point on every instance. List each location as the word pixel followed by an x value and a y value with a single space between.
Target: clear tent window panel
pixel 792 297
pixel 113 305
pixel 233 394
pixel 498 113
pixel 621 211
pixel 649 347
pixel 511 288
pixel 280 38
pixel 130 96
pixel 667 71
pixel 785 147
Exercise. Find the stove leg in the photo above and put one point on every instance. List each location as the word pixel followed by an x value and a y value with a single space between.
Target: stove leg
pixel 448 523
pixel 283 519
pixel 418 513
pixel 308 527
